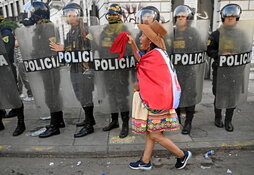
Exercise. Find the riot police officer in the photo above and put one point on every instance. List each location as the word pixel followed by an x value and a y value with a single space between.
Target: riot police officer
pixel 9 41
pixel 82 74
pixel 10 97
pixel 185 39
pixel 116 82
pixel 227 40
pixel 44 31
pixel 147 15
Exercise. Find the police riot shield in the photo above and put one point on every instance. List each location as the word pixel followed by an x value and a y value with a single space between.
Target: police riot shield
pixel 9 96
pixel 186 45
pixel 49 79
pixel 235 45
pixel 78 55
pixel 115 74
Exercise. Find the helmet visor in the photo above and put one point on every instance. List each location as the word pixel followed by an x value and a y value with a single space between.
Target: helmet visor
pixel 231 10
pixel 71 17
pixel 72 12
pixel 146 16
pixel 182 11
pixel 36 10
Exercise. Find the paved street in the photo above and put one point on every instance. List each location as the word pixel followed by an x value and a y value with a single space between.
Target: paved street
pixel 237 162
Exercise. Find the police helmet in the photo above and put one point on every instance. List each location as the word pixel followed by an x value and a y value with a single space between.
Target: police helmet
pixel 183 10
pixel 148 11
pixel 114 9
pixel 35 12
pixel 231 10
pixel 39 10
pixel 73 7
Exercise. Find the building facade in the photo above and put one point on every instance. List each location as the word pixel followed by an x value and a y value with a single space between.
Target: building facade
pixel 11 8
pixel 204 8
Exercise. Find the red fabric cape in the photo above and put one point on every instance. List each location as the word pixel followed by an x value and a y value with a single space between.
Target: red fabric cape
pixel 119 44
pixel 155 81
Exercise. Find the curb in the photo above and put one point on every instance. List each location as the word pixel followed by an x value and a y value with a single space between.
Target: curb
pixel 116 150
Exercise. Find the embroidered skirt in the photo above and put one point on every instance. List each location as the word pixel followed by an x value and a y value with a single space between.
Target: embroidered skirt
pixel 154 121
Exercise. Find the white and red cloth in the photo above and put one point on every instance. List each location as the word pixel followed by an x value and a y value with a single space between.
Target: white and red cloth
pixel 159 87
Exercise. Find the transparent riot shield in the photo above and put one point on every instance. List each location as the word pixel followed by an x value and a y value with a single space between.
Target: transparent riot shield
pixel 94 21
pixel 186 45
pixel 48 78
pixel 114 76
pixel 9 96
pixel 77 54
pixel 235 45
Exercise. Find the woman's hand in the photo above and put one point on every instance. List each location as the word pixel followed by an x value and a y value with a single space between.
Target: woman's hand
pixel 136 86
pixel 56 47
pixel 130 41
pixel 134 47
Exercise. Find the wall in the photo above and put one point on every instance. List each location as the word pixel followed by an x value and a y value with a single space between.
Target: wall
pixel 246 5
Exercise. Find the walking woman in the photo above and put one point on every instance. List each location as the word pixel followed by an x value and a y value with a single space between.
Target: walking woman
pixel 156 96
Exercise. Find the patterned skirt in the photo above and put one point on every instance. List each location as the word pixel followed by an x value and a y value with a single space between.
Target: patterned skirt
pixel 165 120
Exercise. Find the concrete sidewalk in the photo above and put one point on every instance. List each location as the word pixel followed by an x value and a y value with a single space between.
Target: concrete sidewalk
pixel 204 135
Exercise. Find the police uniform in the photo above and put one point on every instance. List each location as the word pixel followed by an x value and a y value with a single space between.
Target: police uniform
pixel 187 41
pixel 233 41
pixel 82 77
pixel 117 81
pixel 8 40
pixel 43 33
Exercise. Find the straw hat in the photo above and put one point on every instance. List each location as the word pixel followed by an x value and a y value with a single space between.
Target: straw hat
pixel 155 32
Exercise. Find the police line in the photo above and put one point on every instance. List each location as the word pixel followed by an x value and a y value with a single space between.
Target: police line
pixel 103 64
pixel 235 59
pixel 47 63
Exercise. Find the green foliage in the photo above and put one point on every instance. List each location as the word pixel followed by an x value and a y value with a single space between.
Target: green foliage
pixel 8 23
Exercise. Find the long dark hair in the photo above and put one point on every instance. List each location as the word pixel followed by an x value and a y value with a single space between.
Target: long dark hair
pixel 153 46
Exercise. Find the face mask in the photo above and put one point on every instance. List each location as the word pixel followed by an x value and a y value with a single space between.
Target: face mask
pixel 113 20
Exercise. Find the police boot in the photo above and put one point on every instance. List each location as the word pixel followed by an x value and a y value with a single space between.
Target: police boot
pixel 87 129
pixel 61 123
pixel 60 120
pixel 187 124
pixel 113 124
pixel 88 123
pixel 2 113
pixel 125 127
pixel 218 118
pixel 88 117
pixel 21 124
pixel 53 128
pixel 228 119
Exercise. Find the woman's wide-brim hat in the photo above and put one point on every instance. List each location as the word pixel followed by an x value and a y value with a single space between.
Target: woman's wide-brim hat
pixel 155 32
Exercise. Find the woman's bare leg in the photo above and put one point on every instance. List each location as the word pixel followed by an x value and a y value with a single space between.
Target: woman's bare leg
pixel 149 145
pixel 166 143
